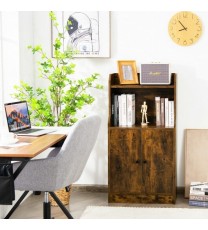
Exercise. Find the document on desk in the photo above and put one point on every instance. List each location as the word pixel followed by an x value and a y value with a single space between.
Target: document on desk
pixel 18 144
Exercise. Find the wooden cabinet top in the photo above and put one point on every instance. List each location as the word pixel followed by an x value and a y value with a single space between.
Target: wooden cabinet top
pixel 115 83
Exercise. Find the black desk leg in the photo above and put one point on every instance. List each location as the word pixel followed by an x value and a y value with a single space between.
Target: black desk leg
pixel 16 204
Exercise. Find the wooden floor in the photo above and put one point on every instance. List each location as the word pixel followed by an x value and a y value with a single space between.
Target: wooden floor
pixel 31 208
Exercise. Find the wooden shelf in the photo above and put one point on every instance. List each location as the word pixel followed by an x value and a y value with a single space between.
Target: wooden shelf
pixel 140 127
pixel 142 86
pixel 142 159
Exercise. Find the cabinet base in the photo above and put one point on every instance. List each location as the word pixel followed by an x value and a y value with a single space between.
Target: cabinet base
pixel 147 199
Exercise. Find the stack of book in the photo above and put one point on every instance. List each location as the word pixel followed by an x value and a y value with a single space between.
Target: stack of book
pixel 164 112
pixel 198 194
pixel 123 110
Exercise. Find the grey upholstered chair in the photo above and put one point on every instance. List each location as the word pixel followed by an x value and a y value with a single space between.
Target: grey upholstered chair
pixel 63 166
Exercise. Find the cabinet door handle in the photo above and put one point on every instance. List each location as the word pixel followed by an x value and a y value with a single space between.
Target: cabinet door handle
pixel 138 162
pixel 144 161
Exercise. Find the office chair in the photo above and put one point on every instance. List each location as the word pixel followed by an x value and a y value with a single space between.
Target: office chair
pixel 62 167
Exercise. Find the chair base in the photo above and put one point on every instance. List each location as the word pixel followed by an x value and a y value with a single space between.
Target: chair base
pixel 46 210
pixel 65 211
pixel 46 206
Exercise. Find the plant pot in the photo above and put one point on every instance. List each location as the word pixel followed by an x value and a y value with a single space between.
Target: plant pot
pixel 63 195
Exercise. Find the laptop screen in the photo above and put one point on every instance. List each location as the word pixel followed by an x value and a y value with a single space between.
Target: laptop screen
pixel 17 116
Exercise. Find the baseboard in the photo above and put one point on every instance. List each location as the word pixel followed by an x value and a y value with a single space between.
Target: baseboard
pixel 104 188
pixel 90 188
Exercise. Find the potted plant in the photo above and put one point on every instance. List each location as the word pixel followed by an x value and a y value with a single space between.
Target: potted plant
pixel 58 104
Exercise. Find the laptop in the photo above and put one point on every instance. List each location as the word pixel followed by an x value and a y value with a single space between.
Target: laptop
pixel 18 120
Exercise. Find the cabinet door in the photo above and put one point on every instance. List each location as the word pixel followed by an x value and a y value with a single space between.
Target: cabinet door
pixel 159 161
pixel 124 161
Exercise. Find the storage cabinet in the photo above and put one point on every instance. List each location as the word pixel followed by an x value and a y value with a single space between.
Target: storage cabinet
pixel 141 160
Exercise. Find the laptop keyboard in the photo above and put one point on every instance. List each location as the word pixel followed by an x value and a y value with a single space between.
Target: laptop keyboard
pixel 30 131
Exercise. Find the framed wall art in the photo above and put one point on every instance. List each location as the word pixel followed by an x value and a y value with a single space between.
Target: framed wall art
pixel 87 33
pixel 127 72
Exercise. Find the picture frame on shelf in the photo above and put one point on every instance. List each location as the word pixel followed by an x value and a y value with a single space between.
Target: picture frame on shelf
pixel 86 32
pixel 127 72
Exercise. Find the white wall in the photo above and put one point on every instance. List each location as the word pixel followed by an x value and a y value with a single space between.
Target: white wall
pixel 14 63
pixel 140 36
pixel 9 57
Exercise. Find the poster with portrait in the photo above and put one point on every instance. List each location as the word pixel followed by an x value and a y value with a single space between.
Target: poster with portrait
pixel 88 33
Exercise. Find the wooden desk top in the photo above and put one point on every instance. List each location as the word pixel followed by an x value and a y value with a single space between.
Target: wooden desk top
pixel 36 146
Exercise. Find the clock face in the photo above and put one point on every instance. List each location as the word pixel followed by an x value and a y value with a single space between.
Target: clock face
pixel 185 28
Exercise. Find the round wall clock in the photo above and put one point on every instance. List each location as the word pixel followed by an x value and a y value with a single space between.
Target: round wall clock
pixel 185 28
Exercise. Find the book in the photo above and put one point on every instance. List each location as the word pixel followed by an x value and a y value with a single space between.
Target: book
pixel 196 192
pixel 130 109
pixel 112 109
pixel 198 203
pixel 116 110
pixel 198 197
pixel 171 114
pixel 198 187
pixel 166 113
pixel 157 108
pixel 123 110
pixel 162 111
pixel 119 111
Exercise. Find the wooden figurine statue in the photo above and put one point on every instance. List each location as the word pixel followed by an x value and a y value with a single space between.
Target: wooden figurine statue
pixel 144 113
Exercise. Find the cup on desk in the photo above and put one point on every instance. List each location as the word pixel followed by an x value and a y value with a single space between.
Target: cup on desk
pixel 8 138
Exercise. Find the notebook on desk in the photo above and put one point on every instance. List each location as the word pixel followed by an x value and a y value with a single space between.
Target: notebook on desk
pixel 18 120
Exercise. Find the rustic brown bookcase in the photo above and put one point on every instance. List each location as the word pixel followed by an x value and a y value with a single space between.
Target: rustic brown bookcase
pixel 142 160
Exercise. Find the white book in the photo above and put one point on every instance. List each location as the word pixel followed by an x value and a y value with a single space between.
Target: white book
pixel 130 109
pixel 171 113
pixel 119 111
pixel 199 188
pixel 162 111
pixel 157 107
pixel 122 109
pixel 166 113
pixel 124 117
pixel 115 104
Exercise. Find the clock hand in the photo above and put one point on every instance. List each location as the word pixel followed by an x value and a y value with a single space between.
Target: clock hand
pixel 184 28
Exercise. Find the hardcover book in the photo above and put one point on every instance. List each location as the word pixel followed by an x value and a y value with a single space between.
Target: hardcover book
pixel 119 111
pixel 130 109
pixel 198 203
pixel 166 112
pixel 116 110
pixel 123 110
pixel 162 110
pixel 171 114
pixel 157 107
pixel 198 197
pixel 199 188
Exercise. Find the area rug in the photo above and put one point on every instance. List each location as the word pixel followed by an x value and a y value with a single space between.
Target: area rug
pixel 106 212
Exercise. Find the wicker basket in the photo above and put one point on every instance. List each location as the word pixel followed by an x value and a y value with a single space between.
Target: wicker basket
pixel 63 195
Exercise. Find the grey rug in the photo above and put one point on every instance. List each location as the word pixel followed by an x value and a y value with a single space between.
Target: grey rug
pixel 106 212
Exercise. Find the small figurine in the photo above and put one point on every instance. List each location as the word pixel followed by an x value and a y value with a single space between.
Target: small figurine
pixel 144 114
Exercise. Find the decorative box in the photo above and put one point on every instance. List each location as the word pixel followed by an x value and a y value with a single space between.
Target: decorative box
pixel 155 74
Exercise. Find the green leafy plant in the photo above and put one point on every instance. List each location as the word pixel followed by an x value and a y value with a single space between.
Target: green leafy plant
pixel 59 103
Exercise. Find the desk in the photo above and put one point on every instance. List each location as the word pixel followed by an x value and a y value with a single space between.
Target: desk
pixel 36 146
pixel 26 152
